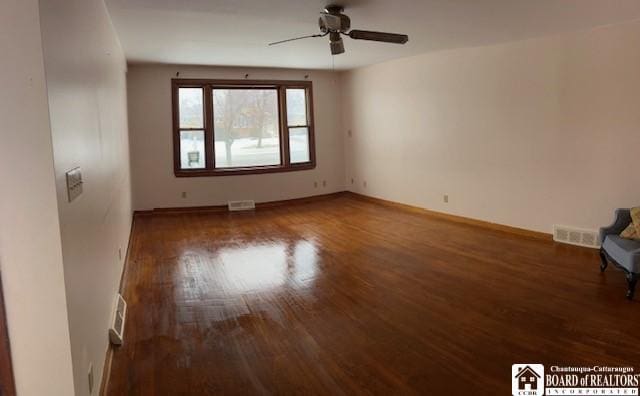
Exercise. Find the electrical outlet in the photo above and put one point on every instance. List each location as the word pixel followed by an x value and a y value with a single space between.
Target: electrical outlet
pixel 324 183
pixel 90 378
pixel 184 194
pixel 445 198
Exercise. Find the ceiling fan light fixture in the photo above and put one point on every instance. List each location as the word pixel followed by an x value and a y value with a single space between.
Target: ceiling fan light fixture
pixel 337 47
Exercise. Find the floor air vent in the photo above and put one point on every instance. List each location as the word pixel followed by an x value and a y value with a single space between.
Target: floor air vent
pixel 116 332
pixel 576 236
pixel 241 205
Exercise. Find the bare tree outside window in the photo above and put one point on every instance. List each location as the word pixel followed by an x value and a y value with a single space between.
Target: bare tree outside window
pixel 246 127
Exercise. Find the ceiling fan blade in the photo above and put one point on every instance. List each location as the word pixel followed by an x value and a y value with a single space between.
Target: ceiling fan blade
pixel 378 36
pixel 297 38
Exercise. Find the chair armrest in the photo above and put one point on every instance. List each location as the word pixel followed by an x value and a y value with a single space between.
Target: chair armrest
pixel 622 220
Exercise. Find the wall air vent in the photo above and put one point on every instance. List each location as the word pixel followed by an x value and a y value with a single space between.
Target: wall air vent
pixel 576 236
pixel 116 332
pixel 235 206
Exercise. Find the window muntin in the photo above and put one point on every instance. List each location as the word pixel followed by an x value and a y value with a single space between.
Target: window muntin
pixel 226 127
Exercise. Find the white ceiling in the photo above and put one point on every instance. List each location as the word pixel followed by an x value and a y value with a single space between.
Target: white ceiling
pixel 236 32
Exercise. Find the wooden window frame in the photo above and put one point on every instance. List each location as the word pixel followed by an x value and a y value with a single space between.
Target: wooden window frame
pixel 208 86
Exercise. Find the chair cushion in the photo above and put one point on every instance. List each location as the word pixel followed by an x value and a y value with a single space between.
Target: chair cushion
pixel 630 232
pixel 625 252
pixel 633 229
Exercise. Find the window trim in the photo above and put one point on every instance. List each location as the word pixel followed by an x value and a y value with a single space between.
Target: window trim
pixel 207 86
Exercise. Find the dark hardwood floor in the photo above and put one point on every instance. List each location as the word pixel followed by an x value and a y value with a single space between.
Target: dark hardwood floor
pixel 345 296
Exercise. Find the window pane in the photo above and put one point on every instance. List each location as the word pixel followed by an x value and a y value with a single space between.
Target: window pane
pixel 296 107
pixel 246 127
pixel 192 149
pixel 299 145
pixel 190 100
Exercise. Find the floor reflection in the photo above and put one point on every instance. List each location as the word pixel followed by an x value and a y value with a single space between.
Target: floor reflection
pixel 305 264
pixel 255 267
pixel 252 268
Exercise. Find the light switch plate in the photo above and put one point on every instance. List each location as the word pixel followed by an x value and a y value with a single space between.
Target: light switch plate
pixel 74 183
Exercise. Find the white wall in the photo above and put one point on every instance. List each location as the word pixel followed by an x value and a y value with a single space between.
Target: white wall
pixel 30 255
pixel 150 125
pixel 86 79
pixel 527 134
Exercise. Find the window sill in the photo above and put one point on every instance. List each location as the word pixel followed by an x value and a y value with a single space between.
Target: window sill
pixel 242 171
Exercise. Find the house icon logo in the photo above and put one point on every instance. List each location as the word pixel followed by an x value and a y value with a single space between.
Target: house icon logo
pixel 527 380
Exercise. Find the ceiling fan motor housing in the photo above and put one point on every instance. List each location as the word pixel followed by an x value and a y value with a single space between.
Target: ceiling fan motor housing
pixel 334 23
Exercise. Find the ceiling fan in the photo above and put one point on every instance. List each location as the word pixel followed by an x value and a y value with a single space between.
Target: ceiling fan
pixel 334 23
